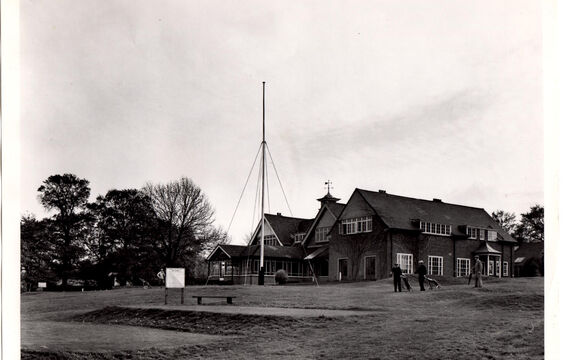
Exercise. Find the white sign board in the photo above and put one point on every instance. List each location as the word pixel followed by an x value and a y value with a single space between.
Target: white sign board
pixel 41 284
pixel 175 277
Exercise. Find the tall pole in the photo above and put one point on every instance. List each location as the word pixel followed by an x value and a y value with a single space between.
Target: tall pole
pixel 261 277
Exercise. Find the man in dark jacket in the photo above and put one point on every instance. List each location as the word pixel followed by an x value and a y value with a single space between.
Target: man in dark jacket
pixel 421 270
pixel 396 271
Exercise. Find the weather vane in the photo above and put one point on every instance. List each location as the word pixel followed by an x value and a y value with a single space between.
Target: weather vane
pixel 328 184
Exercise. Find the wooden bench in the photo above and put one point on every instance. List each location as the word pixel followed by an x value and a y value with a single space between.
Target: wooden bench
pixel 228 298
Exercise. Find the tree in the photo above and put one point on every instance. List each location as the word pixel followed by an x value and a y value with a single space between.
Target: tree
pixel 507 220
pixel 354 247
pixel 36 252
pixel 184 219
pixel 123 231
pixel 67 194
pixel 531 226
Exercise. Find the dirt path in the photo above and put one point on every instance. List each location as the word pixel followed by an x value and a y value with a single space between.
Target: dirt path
pixel 257 310
pixel 75 336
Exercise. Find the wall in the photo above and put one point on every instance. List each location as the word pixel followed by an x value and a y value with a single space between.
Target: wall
pixel 377 246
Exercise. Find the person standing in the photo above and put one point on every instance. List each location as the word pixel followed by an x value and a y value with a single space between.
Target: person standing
pixel 161 277
pixel 478 268
pixel 421 271
pixel 397 272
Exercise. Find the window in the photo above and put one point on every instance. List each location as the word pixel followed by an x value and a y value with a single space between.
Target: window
pixel 497 268
pixel 435 265
pixel 462 267
pixel 270 240
pixel 505 268
pixel 321 234
pixel 491 266
pixel 491 235
pixel 299 237
pixel 433 228
pixel 478 233
pixel 405 262
pixel 356 225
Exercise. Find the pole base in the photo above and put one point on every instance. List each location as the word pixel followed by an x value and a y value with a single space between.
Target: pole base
pixel 261 277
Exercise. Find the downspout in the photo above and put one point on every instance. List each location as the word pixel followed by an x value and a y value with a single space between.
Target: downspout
pixel 454 263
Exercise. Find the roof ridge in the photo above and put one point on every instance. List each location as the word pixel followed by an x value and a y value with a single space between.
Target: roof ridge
pixel 287 217
pixel 412 198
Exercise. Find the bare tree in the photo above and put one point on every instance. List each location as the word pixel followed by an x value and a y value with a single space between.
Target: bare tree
pixel 506 219
pixel 354 247
pixel 185 220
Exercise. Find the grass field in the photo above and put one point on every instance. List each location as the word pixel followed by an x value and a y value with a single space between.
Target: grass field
pixel 504 320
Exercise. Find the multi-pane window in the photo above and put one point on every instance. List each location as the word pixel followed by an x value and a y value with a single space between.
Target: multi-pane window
pixel 491 235
pixel 321 234
pixel 270 240
pixel 491 265
pixel 434 228
pixel 356 225
pixel 435 265
pixel 478 233
pixel 299 237
pixel 462 267
pixel 405 262
pixel 505 268
pixel 292 268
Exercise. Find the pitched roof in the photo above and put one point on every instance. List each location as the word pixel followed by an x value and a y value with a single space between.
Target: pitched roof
pixel 529 250
pixel 225 250
pixel 486 249
pixel 336 208
pixel 269 251
pixel 284 227
pixel 399 212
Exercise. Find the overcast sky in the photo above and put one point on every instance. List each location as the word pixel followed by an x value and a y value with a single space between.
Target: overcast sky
pixel 421 98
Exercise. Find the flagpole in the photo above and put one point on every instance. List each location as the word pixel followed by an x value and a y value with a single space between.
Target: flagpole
pixel 261 277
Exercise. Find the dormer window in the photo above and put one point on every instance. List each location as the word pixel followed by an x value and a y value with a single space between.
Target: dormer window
pixel 298 237
pixel 434 228
pixel 479 233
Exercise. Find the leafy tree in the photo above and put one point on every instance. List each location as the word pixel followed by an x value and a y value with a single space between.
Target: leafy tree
pixel 531 227
pixel 68 195
pixel 185 221
pixel 507 220
pixel 123 231
pixel 36 252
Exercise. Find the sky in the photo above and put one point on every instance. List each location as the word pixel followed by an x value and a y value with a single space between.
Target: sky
pixel 427 99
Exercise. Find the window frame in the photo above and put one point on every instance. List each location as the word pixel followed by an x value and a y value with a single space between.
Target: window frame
pixel 431 267
pixel 409 269
pixel 459 262
pixel 357 225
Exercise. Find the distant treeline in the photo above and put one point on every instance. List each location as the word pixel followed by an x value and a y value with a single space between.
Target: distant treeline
pixel 124 236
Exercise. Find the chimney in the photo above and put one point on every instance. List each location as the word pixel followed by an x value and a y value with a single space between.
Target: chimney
pixel 382 192
pixel 436 200
pixel 278 214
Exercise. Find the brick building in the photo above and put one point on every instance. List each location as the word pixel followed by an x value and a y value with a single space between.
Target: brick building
pixel 362 239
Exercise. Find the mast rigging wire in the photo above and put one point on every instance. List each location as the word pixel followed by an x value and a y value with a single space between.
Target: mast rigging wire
pixel 242 194
pixel 278 179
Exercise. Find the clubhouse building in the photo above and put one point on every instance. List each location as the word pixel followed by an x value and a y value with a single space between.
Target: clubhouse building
pixel 363 238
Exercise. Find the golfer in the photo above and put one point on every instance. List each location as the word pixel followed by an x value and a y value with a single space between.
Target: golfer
pixel 396 271
pixel 478 268
pixel 421 270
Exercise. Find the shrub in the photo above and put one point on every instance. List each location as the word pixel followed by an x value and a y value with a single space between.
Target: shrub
pixel 281 277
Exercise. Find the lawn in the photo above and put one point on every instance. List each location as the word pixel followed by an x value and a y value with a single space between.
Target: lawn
pixel 504 320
